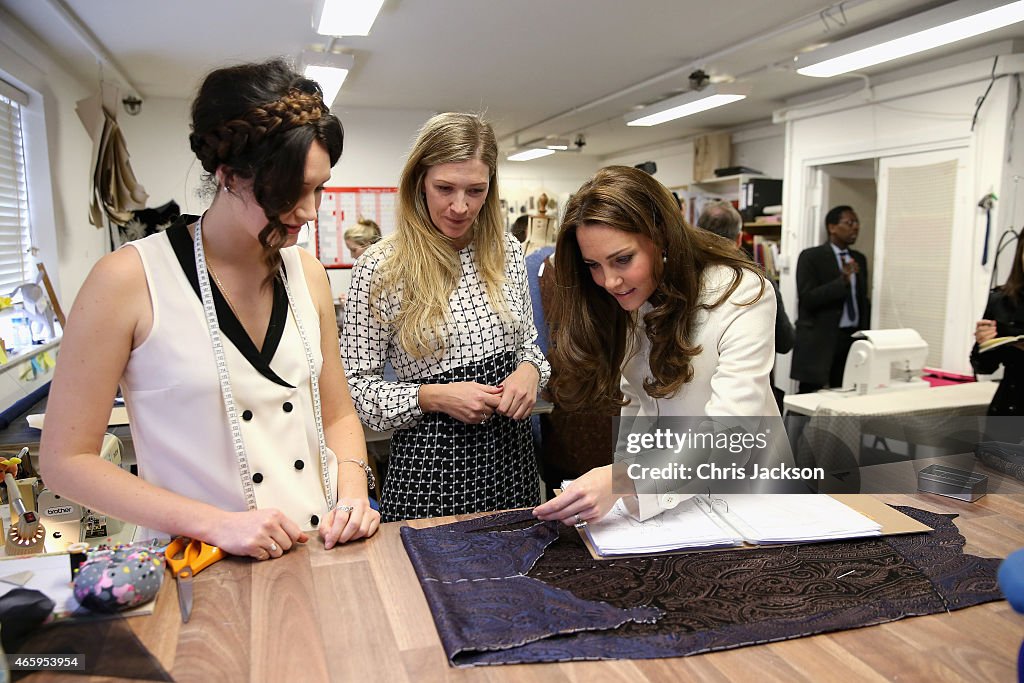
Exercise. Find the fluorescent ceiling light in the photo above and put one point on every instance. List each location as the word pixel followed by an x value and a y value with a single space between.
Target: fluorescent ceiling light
pixel 345 17
pixel 940 26
pixel 688 103
pixel 327 69
pixel 531 153
pixel 557 144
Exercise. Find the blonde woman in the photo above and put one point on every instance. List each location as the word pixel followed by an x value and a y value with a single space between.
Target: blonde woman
pixel 445 300
pixel 360 236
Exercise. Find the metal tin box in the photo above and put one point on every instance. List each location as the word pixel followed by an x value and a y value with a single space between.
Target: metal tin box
pixel 952 482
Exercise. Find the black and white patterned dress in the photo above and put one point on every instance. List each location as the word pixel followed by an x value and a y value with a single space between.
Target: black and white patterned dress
pixel 439 465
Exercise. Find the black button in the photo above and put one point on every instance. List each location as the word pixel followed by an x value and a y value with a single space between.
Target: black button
pixel 246 415
pixel 287 407
pixel 257 478
pixel 299 464
pixel 314 520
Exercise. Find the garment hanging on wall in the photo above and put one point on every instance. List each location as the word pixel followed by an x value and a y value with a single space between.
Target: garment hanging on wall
pixel 115 192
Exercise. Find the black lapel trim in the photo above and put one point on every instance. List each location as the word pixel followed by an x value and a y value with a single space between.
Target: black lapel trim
pixel 232 328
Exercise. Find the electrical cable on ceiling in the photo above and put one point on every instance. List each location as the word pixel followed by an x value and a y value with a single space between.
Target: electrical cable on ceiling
pixel 981 100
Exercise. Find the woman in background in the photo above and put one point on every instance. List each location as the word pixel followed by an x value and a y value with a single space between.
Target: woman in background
pixel 360 236
pixel 241 420
pixel 678 313
pixel 1004 317
pixel 445 300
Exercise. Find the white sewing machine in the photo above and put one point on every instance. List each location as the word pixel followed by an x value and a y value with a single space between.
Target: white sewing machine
pixel 885 360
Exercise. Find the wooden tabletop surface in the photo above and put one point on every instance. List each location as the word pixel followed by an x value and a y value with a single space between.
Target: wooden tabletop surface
pixel 356 613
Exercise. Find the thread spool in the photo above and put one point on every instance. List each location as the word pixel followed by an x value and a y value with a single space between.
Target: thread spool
pixel 16 545
pixel 26 535
pixel 78 552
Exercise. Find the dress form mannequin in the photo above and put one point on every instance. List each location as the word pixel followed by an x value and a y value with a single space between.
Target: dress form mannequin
pixel 542 228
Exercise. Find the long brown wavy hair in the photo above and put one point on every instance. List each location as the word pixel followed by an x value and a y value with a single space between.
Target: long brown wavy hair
pixel 592 332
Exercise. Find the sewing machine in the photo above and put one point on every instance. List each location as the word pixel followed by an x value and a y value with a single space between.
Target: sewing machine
pixel 885 360
pixel 67 522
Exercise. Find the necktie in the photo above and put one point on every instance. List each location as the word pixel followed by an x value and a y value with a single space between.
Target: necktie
pixel 851 311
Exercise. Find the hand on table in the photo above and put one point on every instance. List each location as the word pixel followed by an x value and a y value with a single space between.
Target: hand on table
pixel 590 497
pixel 351 519
pixel 260 534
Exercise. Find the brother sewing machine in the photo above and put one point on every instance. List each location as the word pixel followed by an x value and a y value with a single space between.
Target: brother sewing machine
pixel 68 522
pixel 885 360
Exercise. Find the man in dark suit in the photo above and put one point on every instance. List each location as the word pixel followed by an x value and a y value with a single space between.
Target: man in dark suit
pixel 832 291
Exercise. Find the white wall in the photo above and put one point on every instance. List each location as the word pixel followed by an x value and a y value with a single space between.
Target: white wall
pixel 377 142
pixel 58 157
pixel 558 176
pixel 761 148
pixel 926 112
pixel 157 140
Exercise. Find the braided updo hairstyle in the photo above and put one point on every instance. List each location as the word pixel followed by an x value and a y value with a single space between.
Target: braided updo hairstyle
pixel 259 121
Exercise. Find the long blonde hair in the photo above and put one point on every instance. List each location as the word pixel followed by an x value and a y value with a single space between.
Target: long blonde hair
pixel 421 261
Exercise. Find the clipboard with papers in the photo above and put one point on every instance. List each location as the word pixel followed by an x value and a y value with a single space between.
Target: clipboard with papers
pixel 737 521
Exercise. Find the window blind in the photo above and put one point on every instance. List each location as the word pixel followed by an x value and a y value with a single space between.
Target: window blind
pixel 918 239
pixel 15 236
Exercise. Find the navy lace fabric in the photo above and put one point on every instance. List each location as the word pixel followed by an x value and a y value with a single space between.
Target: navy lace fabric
pixel 505 589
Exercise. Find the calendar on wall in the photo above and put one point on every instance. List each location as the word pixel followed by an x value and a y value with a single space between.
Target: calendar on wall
pixel 340 208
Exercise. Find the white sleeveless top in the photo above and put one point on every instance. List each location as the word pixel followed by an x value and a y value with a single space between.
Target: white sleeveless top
pixel 179 427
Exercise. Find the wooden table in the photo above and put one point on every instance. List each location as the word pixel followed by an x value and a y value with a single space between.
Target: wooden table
pixel 356 613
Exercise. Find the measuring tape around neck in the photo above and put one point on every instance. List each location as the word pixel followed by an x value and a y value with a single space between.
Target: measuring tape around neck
pixel 234 425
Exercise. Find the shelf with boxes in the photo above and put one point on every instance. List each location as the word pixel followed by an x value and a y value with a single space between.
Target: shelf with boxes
pixel 751 195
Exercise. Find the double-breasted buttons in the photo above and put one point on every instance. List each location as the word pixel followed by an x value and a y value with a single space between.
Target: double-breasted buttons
pixel 314 520
pixel 246 415
pixel 257 478
pixel 299 464
pixel 287 407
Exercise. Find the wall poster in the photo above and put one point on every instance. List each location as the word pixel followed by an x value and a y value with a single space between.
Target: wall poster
pixel 340 208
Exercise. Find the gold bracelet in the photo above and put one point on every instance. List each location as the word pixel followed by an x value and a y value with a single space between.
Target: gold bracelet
pixel 370 481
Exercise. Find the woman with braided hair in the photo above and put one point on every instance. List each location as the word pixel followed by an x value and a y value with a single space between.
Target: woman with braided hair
pixel 242 423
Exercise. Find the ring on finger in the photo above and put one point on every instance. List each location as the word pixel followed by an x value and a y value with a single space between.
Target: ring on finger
pixel 273 547
pixel 580 522
pixel 345 508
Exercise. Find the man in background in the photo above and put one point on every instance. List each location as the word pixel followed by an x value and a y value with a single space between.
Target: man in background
pixel 725 221
pixel 832 291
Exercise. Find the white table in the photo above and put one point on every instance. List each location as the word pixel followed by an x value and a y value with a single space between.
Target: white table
pixel 969 398
pixel 905 424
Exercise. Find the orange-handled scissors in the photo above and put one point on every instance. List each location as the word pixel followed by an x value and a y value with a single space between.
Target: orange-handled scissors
pixel 186 558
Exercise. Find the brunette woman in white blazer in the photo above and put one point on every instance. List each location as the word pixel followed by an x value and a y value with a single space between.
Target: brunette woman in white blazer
pixel 665 319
